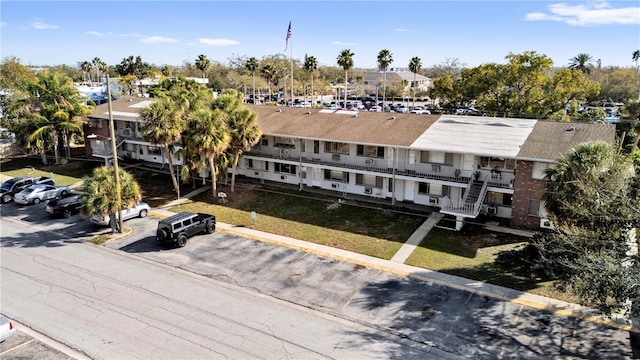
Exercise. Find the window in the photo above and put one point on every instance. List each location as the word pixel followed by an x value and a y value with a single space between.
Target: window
pixel 250 163
pixel 336 147
pixel 285 168
pixel 423 188
pixel 369 180
pixel 534 207
pixel 284 142
pixel 370 151
pixel 95 123
pixel 316 146
pixel 537 172
pixel 336 175
pixel 153 150
pixel 264 141
pixel 390 184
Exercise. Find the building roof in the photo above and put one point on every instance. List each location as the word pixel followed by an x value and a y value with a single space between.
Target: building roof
pixel 550 140
pixel 476 135
pixel 125 108
pixel 374 128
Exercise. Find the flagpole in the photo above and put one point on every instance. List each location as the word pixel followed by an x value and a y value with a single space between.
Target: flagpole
pixel 291 62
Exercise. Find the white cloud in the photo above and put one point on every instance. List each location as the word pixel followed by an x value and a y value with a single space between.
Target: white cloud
pixel 42 26
pixel 402 30
pixel 157 40
pixel 131 35
pixel 592 13
pixel 218 42
pixel 94 33
pixel 343 43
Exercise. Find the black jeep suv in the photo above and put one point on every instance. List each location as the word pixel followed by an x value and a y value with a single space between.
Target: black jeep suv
pixel 177 228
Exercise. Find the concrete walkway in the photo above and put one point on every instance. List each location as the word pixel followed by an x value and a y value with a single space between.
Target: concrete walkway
pixel 416 238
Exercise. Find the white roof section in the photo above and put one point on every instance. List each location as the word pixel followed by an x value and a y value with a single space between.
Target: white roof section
pixel 475 135
pixel 123 113
pixel 142 104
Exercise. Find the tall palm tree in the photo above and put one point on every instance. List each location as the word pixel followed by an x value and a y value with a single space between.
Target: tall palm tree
pixel 96 63
pixel 345 60
pixel 203 64
pixel 581 62
pixel 252 65
pixel 414 66
pixel 310 65
pixel 164 125
pixel 270 74
pixel 636 57
pixel 245 133
pixel 385 58
pixel 86 70
pixel 211 138
pixel 100 196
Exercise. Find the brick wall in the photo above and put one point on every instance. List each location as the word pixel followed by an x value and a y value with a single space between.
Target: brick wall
pixel 524 189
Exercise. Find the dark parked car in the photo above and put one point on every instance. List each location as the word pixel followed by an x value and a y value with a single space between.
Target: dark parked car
pixel 177 228
pixel 65 207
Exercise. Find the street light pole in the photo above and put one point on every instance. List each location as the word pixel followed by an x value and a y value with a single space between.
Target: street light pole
pixel 115 157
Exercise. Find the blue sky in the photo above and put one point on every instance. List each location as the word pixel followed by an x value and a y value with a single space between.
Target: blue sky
pixel 171 32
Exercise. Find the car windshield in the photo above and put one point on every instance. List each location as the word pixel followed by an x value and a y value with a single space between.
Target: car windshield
pixel 27 190
pixel 7 185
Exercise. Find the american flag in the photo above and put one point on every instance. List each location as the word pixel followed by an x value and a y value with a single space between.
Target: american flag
pixel 288 36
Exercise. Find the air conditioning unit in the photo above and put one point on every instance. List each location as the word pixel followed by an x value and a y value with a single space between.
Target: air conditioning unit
pixel 369 161
pixel 335 157
pixel 492 210
pixel 436 168
pixel 368 190
pixel 433 201
pixel 283 177
pixel 256 173
pixel 126 132
pixel 546 224
pixel 335 185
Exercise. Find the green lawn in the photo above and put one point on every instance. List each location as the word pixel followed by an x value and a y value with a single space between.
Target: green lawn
pixel 64 175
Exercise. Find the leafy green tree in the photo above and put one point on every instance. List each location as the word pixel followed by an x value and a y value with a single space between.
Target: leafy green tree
pixel 252 65
pixel 345 61
pixel 415 64
pixel 385 58
pixel 581 62
pixel 56 106
pixel 203 64
pixel 100 194
pixel 133 66
pixel 270 73
pixel 210 138
pixel 311 65
pixel 592 196
pixel 245 132
pixel 164 125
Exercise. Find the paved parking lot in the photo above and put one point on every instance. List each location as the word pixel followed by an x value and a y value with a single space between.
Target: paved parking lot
pixel 27 344
pixel 449 319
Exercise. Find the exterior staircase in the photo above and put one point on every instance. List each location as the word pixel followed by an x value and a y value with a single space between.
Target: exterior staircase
pixel 475 191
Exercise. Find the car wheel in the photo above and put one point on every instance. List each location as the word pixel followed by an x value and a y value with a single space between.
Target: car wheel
pixel 66 213
pixel 6 199
pixel 143 213
pixel 161 234
pixel 211 227
pixel 36 201
pixel 182 240
pixel 63 193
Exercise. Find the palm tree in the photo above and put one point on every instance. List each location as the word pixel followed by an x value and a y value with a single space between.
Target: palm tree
pixel 414 66
pixel 581 62
pixel 86 70
pixel 385 58
pixel 245 133
pixel 270 74
pixel 636 57
pixel 210 138
pixel 55 106
pixel 97 65
pixel 252 65
pixel 164 124
pixel 310 65
pixel 100 196
pixel 203 64
pixel 345 60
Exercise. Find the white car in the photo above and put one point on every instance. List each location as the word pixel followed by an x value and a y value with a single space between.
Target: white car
pixel 6 328
pixel 34 194
pixel 401 109
pixel 140 210
pixel 420 110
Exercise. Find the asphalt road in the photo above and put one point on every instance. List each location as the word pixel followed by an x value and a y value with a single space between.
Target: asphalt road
pixel 343 306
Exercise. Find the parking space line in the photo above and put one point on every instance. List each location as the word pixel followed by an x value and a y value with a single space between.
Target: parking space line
pixel 17 346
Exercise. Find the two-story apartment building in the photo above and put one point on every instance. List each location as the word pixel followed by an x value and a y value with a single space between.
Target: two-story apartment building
pixel 460 165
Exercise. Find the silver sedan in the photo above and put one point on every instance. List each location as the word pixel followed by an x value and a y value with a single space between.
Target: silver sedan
pixel 34 194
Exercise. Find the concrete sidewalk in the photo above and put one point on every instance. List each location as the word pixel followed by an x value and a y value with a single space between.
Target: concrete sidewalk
pixel 396 265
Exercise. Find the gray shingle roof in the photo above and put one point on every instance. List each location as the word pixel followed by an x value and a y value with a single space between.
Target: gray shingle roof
pixel 550 140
